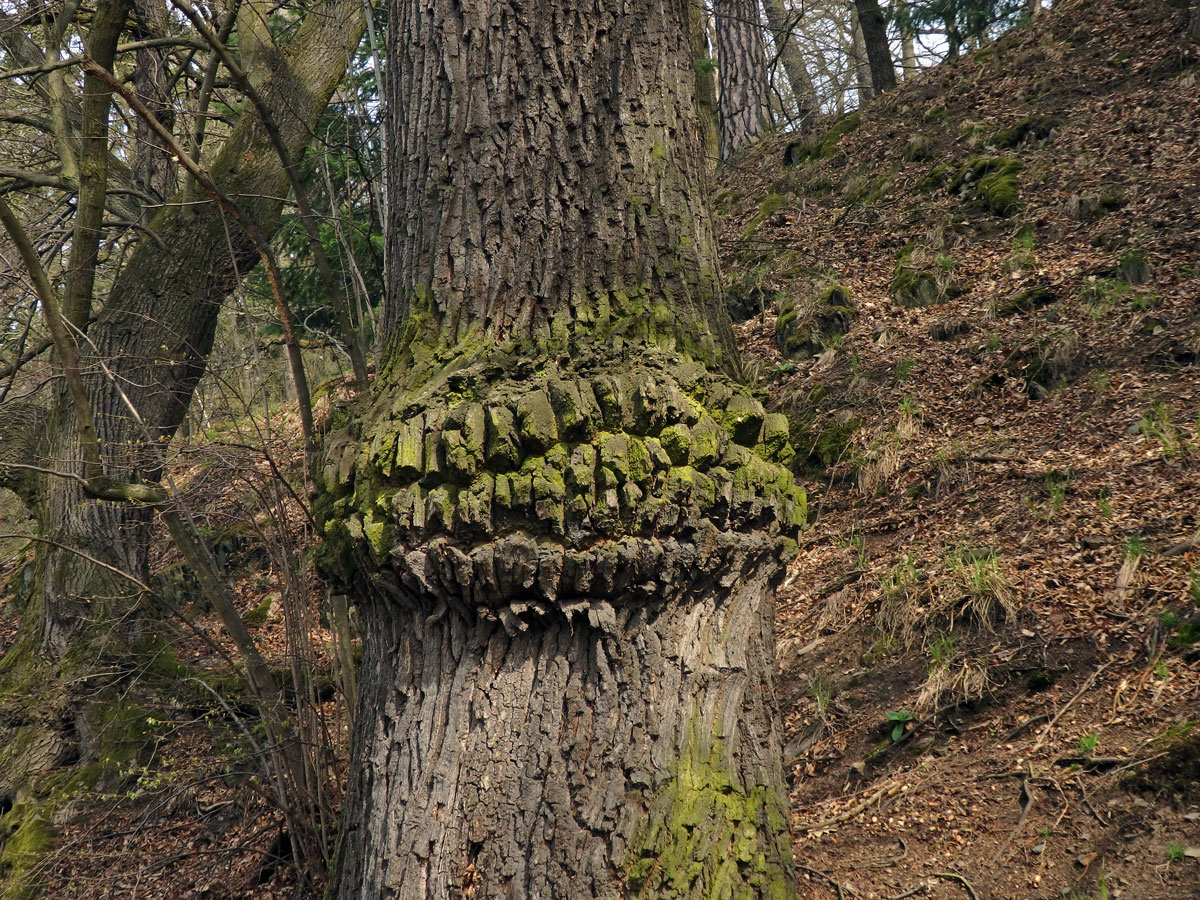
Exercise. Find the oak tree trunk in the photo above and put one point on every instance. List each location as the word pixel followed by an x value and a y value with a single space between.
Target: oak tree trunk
pixel 562 521
pixel 745 99
pixel 862 68
pixel 908 48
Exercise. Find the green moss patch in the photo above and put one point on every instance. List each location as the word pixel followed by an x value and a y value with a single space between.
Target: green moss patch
pixel 26 835
pixel 1026 130
pixel 923 278
pixel 708 836
pixel 822 147
pixel 990 181
pixel 804 328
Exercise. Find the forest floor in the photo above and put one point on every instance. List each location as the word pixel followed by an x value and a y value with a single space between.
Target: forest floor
pixel 989 643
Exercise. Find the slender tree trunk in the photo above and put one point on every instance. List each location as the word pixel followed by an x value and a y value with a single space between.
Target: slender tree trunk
pixel 561 521
pixel 745 98
pixel 152 165
pixel 862 68
pixel 954 38
pixel 909 53
pixel 875 42
pixel 799 80
pixel 1194 31
pixel 707 111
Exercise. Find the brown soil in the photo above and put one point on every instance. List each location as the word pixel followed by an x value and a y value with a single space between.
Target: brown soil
pixel 988 640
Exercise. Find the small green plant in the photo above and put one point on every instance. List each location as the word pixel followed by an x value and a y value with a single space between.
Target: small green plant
pixel 945 261
pixel 1103 501
pixel 900 720
pixel 902 587
pixel 1194 585
pixel 1161 671
pixel 942 651
pixel 993 342
pixel 1056 496
pixel 904 369
pixel 1056 489
pixel 989 595
pixel 1156 423
pixel 1175 851
pixel 1102 294
pixel 1088 743
pixel 1024 238
pixel 1098 381
pixel 858 543
pixel 1135 546
pixel 1143 302
pixel 823 694
pixel 1044 832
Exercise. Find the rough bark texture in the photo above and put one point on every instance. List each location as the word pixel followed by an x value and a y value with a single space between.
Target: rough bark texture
pixel 153 168
pixel 745 98
pixel 562 522
pixel 875 42
pixel 782 22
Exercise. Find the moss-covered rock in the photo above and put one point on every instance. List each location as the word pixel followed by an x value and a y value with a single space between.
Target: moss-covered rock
pixel 990 181
pixel 1025 130
pixel 821 146
pixel 923 277
pixel 1027 299
pixel 804 328
pixel 916 148
pixel 1133 267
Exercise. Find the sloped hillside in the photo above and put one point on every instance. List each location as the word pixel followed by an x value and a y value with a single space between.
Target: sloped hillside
pixel 977 299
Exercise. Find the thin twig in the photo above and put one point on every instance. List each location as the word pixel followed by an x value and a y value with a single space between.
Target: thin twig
pixel 954 876
pixel 1058 715
pixel 882 794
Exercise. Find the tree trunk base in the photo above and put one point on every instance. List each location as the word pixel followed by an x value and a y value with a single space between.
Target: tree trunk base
pixel 567 588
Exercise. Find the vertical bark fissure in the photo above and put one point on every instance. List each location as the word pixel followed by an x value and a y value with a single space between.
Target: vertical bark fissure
pixel 706 84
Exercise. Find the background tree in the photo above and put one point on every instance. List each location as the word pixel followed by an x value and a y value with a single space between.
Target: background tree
pixel 745 103
pixel 706 83
pixel 562 519
pixel 875 42
pixel 142 294
pixel 782 22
